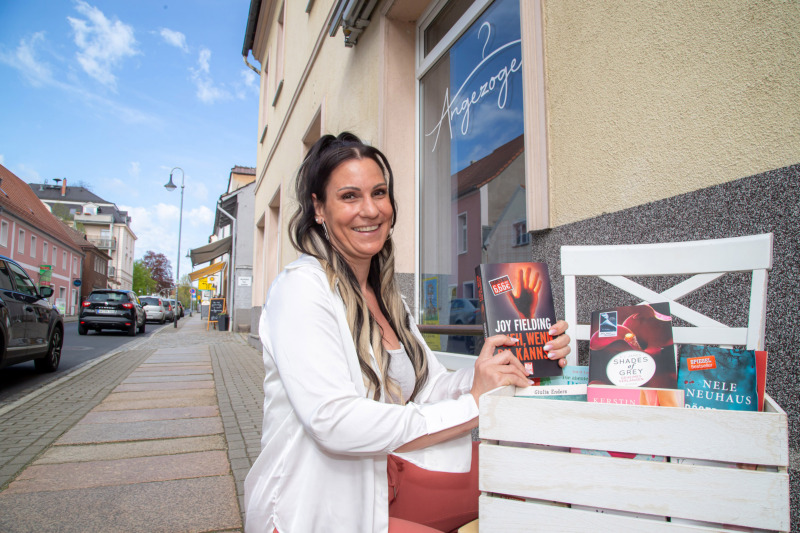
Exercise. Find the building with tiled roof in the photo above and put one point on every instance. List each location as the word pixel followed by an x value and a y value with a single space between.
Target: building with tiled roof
pixel 104 224
pixel 95 263
pixel 36 239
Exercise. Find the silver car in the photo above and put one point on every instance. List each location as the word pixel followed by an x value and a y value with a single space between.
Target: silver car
pixel 154 309
pixel 169 305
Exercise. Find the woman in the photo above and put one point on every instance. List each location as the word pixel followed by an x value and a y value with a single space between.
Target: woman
pixel 349 379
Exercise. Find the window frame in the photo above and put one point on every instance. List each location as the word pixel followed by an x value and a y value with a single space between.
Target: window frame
pixel 4 232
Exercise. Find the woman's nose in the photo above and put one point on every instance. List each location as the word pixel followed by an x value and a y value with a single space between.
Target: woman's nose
pixel 369 208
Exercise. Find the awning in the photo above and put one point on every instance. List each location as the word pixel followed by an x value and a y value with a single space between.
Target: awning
pixel 210 251
pixel 207 271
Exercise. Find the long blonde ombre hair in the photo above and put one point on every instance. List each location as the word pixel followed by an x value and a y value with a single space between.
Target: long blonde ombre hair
pixel 308 237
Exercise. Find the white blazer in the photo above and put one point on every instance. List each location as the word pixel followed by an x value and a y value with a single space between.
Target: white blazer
pixel 324 444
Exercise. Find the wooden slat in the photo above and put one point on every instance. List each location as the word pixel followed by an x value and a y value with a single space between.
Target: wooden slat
pixel 733 436
pixel 736 254
pixel 714 494
pixel 500 515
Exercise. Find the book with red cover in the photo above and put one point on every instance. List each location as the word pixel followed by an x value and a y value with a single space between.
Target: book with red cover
pixel 632 346
pixel 516 300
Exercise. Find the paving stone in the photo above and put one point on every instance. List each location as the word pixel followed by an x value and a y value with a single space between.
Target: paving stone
pixel 95 433
pixel 200 504
pixel 139 415
pixel 122 450
pixel 120 472
pixel 165 386
pixel 170 378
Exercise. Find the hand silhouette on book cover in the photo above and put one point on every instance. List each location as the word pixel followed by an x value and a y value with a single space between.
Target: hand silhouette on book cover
pixel 525 294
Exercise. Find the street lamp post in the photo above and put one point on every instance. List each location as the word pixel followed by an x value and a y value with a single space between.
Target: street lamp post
pixel 170 186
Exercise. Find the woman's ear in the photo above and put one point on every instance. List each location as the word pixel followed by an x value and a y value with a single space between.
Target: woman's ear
pixel 317 205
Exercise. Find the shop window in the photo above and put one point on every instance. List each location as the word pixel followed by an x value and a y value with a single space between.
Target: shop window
pixel 472 150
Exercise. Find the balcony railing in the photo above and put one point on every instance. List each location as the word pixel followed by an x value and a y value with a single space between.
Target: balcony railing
pixel 104 244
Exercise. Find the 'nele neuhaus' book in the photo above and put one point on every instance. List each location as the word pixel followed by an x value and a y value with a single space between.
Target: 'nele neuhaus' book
pixel 720 378
pixel 516 300
pixel 632 346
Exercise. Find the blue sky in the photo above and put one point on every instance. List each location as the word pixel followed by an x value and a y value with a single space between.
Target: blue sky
pixel 112 95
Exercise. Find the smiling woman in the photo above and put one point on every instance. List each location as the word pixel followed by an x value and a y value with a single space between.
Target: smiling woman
pixel 349 380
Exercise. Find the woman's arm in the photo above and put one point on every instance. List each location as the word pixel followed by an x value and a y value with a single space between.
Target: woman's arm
pixel 305 333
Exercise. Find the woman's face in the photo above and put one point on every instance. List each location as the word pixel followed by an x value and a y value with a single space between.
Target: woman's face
pixel 357 210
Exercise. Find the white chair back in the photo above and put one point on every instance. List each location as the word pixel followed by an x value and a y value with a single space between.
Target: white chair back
pixel 708 260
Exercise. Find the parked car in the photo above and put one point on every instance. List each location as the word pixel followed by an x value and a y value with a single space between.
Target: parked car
pixel 112 309
pixel 169 305
pixel 465 311
pixel 30 327
pixel 154 309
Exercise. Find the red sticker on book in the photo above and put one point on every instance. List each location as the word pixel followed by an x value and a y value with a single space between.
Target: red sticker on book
pixel 500 285
pixel 701 363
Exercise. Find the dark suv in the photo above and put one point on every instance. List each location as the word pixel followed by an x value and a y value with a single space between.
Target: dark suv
pixel 112 309
pixel 30 327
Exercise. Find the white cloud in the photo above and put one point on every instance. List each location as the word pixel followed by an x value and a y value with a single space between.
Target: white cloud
pixel 248 84
pixel 207 91
pixel 134 169
pixel 200 217
pixel 102 43
pixel 24 59
pixel 174 38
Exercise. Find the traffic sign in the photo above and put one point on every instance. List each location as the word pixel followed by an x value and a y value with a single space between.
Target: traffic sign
pixel 192 292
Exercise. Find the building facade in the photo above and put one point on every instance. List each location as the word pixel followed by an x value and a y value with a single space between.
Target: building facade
pixel 634 123
pixel 39 242
pixel 104 224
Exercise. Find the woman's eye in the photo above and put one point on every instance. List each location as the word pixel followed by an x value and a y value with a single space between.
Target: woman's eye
pixel 380 192
pixel 348 196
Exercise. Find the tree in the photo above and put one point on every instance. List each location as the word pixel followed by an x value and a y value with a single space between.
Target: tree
pixel 160 269
pixel 184 291
pixel 143 282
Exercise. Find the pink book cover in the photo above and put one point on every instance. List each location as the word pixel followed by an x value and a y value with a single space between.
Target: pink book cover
pixel 635 396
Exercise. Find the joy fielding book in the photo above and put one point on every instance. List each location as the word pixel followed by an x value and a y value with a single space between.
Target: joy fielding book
pixel 632 357
pixel 516 300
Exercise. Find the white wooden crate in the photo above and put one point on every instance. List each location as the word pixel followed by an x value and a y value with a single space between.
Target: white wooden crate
pixel 715 494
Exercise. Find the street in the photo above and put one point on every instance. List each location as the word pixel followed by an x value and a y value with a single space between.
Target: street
pixel 18 380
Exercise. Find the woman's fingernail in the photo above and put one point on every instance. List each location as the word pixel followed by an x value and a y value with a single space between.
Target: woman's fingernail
pixel 547 347
pixel 552 331
pixel 530 382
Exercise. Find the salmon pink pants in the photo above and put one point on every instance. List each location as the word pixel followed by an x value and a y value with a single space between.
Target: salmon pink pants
pixel 422 501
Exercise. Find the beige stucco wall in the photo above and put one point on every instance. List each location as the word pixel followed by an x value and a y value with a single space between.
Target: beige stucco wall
pixel 647 100
pixel 355 102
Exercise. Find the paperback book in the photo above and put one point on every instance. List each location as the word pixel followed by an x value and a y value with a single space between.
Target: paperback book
pixel 632 346
pixel 516 300
pixel 720 378
pixel 635 396
pixel 570 385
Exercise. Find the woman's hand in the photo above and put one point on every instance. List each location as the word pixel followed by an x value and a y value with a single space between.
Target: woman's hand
pixel 558 348
pixel 503 368
pixel 497 370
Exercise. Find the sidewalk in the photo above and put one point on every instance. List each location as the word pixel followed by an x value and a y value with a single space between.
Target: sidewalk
pixel 156 438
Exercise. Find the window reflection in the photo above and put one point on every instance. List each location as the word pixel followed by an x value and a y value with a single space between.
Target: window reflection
pixel 473 205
